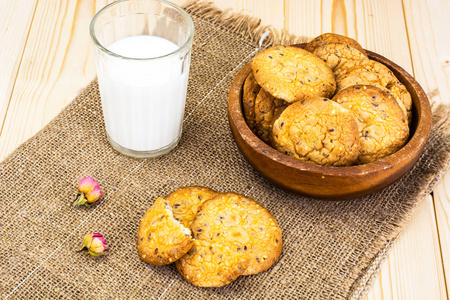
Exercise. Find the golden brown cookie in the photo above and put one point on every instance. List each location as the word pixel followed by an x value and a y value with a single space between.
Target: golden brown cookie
pixel 333 38
pixel 317 130
pixel 161 238
pixel 383 127
pixel 401 94
pixel 277 113
pixel 367 72
pixel 185 202
pixel 265 105
pixel 370 72
pixel 251 90
pixel 336 55
pixel 291 73
pixel 212 265
pixel 242 224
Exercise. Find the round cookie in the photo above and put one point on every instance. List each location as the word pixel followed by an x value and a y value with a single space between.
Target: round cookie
pixel 363 72
pixel 370 72
pixel 401 94
pixel 185 202
pixel 382 124
pixel 291 73
pixel 161 238
pixel 242 224
pixel 212 265
pixel 251 90
pixel 333 38
pixel 336 55
pixel 317 130
pixel 277 113
pixel 265 105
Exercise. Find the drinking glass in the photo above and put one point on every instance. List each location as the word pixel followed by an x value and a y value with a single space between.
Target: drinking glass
pixel 143 97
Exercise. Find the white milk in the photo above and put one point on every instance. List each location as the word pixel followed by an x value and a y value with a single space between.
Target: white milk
pixel 143 100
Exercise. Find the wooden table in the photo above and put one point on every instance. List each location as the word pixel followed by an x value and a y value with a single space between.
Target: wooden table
pixel 46 59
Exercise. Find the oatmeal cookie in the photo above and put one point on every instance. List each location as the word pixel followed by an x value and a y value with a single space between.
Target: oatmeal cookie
pixel 185 202
pixel 265 105
pixel 317 130
pixel 251 90
pixel 277 113
pixel 370 72
pixel 333 38
pixel 403 97
pixel 209 264
pixel 291 73
pixel 383 128
pixel 161 238
pixel 242 224
pixel 336 55
pixel 367 72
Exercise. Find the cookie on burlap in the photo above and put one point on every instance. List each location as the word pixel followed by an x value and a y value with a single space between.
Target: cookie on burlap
pixel 317 130
pixel 161 238
pixel 185 202
pixel 242 224
pixel 383 127
pixel 333 38
pixel 370 72
pixel 209 264
pixel 251 90
pixel 336 55
pixel 291 73
pixel 265 105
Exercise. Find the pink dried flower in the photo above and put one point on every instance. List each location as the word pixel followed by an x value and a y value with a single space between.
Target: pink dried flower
pixel 94 244
pixel 89 192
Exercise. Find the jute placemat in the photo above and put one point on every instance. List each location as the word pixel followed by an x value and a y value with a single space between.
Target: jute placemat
pixel 331 249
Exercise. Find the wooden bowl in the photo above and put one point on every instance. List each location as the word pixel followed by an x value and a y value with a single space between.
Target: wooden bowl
pixel 324 182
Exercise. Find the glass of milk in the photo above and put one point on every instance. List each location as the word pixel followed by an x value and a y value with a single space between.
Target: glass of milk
pixel 143 52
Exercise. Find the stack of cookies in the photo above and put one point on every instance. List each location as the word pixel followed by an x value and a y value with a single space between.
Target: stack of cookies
pixel 213 238
pixel 328 103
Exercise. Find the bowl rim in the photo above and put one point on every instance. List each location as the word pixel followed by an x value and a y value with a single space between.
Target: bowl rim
pixel 412 149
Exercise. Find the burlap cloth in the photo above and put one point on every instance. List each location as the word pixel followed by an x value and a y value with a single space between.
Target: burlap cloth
pixel 331 249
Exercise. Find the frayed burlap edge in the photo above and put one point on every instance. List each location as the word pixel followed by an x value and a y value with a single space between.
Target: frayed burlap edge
pixel 440 124
pixel 244 25
pixel 250 27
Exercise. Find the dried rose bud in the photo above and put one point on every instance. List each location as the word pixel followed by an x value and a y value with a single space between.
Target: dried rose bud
pixel 94 244
pixel 89 192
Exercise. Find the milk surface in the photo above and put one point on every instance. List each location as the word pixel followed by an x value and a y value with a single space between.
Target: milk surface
pixel 143 100
pixel 142 46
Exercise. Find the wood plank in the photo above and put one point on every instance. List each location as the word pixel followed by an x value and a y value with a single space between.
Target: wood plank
pixel 428 23
pixel 56 64
pixel 15 23
pixel 303 18
pixel 271 12
pixel 356 19
pixel 441 197
pixel 414 267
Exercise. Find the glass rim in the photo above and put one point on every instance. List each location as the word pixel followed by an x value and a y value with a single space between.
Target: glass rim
pixel 104 49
